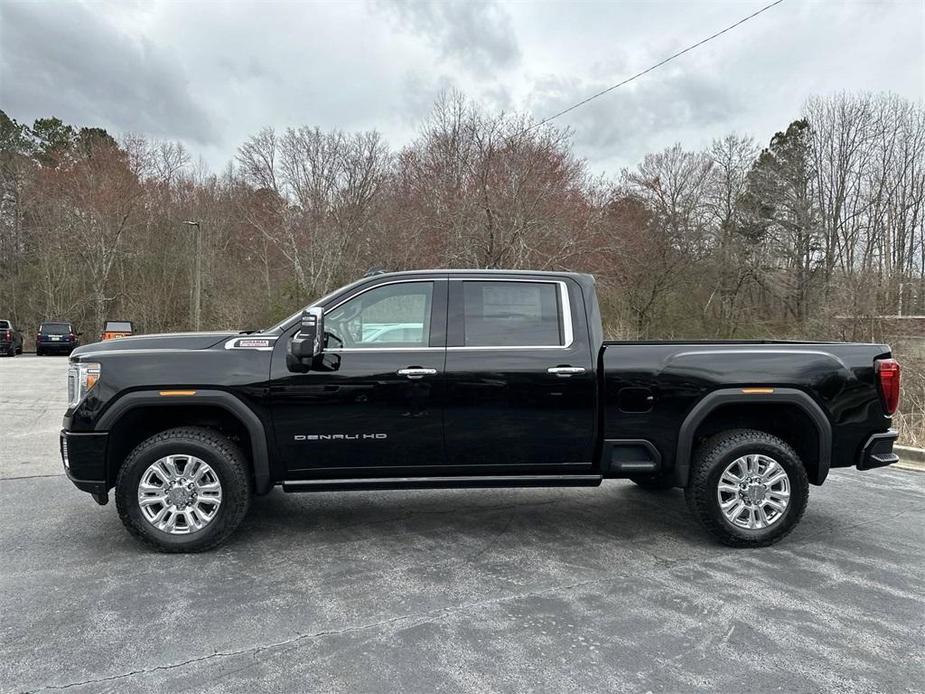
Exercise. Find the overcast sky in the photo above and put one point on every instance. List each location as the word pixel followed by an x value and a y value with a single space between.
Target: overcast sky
pixel 211 73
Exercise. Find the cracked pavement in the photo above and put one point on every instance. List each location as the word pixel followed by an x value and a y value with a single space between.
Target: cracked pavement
pixel 608 589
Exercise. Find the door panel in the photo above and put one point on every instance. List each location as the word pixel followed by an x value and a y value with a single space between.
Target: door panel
pixel 354 409
pixel 504 407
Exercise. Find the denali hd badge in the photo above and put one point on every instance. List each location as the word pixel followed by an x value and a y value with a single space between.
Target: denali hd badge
pixel 261 344
pixel 339 437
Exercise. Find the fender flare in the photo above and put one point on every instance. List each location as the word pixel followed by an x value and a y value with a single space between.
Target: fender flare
pixel 219 398
pixel 726 396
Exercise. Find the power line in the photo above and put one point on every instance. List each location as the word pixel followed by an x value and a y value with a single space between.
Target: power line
pixel 657 65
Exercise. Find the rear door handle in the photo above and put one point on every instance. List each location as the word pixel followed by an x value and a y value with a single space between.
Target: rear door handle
pixel 416 372
pixel 565 371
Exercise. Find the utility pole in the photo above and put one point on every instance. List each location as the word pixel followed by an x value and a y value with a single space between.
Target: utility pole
pixel 197 277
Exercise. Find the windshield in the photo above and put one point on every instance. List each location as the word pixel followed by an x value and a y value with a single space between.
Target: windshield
pixel 55 328
pixel 4 325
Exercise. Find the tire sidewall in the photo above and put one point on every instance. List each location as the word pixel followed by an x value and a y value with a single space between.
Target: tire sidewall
pixel 799 488
pixel 139 461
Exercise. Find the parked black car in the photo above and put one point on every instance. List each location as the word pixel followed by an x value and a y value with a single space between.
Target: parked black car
pixel 10 339
pixel 495 379
pixel 56 337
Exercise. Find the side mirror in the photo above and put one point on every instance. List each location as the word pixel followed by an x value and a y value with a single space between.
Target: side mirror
pixel 306 344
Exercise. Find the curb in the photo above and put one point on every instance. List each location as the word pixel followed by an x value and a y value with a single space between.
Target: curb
pixel 910 458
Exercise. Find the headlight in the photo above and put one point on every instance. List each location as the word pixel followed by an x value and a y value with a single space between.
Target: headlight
pixel 81 377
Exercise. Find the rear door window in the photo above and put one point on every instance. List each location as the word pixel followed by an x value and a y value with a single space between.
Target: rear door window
pixel 55 328
pixel 512 314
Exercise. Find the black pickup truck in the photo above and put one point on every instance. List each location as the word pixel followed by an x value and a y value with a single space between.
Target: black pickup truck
pixel 452 378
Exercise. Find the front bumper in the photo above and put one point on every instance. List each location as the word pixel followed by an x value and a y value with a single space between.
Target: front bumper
pixel 84 458
pixel 878 451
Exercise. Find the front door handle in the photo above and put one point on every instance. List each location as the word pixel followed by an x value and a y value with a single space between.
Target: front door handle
pixel 565 371
pixel 416 372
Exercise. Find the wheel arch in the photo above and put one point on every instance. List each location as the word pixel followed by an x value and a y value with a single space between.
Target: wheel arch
pixel 788 413
pixel 140 414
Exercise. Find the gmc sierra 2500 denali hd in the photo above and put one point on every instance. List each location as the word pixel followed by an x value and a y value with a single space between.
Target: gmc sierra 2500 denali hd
pixel 452 378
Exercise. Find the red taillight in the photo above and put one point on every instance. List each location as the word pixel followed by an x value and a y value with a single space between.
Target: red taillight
pixel 888 376
pixel 7 334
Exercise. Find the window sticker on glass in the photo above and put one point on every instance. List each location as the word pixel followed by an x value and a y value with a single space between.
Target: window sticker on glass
pixel 512 314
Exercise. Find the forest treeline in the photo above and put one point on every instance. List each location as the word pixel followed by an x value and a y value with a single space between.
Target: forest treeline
pixel 814 235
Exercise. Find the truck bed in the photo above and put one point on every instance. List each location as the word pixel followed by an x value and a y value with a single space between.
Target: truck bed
pixel 651 390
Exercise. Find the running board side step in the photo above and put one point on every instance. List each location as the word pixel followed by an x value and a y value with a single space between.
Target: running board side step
pixel 460 482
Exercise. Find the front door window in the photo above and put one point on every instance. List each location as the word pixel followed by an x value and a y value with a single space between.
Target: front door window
pixel 390 316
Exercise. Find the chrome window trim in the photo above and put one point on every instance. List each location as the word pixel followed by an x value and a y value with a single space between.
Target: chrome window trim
pixel 338 350
pixel 565 318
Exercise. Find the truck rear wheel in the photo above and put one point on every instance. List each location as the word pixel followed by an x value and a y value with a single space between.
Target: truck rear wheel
pixel 747 488
pixel 183 490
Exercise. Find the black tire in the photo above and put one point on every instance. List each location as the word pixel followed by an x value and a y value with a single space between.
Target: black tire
pixel 654 482
pixel 229 465
pixel 38 352
pixel 712 458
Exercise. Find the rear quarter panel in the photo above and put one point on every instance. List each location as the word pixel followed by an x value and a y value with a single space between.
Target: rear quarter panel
pixel 839 377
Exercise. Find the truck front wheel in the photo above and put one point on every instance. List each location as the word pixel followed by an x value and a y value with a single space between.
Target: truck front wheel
pixel 183 490
pixel 747 488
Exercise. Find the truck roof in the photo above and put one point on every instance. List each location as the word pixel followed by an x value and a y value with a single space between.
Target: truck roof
pixel 492 271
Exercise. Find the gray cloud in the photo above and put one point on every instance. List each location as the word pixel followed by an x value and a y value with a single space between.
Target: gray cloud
pixel 479 35
pixel 208 78
pixel 419 92
pixel 66 60
pixel 629 121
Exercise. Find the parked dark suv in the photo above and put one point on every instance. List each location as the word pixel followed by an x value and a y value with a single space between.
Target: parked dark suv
pixel 10 339
pixel 56 337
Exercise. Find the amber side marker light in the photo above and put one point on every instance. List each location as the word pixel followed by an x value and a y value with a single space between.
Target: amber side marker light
pixel 756 391
pixel 169 393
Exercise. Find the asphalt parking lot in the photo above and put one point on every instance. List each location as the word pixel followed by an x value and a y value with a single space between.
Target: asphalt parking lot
pixel 611 589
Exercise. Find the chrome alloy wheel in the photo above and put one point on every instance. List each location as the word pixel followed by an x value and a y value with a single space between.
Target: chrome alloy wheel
pixel 753 492
pixel 179 494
